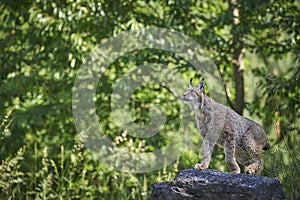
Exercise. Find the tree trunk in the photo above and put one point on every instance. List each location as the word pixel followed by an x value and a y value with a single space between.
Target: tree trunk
pixel 238 56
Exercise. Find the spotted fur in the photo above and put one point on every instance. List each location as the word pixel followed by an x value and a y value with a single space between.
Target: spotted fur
pixel 242 138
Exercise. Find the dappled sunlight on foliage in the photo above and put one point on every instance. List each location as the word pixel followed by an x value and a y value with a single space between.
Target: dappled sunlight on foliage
pixel 44 43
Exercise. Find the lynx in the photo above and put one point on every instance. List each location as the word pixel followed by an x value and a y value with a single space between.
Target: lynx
pixel 242 138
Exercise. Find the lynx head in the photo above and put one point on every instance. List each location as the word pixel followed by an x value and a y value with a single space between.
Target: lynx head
pixel 193 96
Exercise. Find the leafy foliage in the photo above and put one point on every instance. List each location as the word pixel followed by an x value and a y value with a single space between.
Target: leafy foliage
pixel 43 44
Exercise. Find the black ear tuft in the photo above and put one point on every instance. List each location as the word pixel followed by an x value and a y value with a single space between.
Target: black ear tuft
pixel 191 82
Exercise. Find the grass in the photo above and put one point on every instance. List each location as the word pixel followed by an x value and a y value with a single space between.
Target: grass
pixel 283 162
pixel 36 173
pixel 77 176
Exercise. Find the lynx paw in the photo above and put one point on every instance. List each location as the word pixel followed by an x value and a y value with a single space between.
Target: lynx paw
pixel 200 166
pixel 236 171
pixel 252 169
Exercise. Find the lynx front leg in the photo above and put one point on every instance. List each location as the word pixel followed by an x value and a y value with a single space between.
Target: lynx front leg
pixel 207 151
pixel 229 148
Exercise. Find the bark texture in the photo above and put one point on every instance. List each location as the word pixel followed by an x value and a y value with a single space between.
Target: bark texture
pixel 238 51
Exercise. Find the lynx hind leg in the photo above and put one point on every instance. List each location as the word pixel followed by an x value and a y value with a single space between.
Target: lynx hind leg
pixel 229 148
pixel 255 166
pixel 254 169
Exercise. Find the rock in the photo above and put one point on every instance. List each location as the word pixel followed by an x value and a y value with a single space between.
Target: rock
pixel 211 184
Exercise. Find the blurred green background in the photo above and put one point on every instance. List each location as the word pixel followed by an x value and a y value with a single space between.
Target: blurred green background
pixel 255 45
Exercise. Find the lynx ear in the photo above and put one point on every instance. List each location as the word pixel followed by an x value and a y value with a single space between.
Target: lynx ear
pixel 201 85
pixel 191 82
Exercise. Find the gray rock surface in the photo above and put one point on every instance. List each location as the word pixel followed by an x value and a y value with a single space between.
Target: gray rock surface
pixel 211 184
